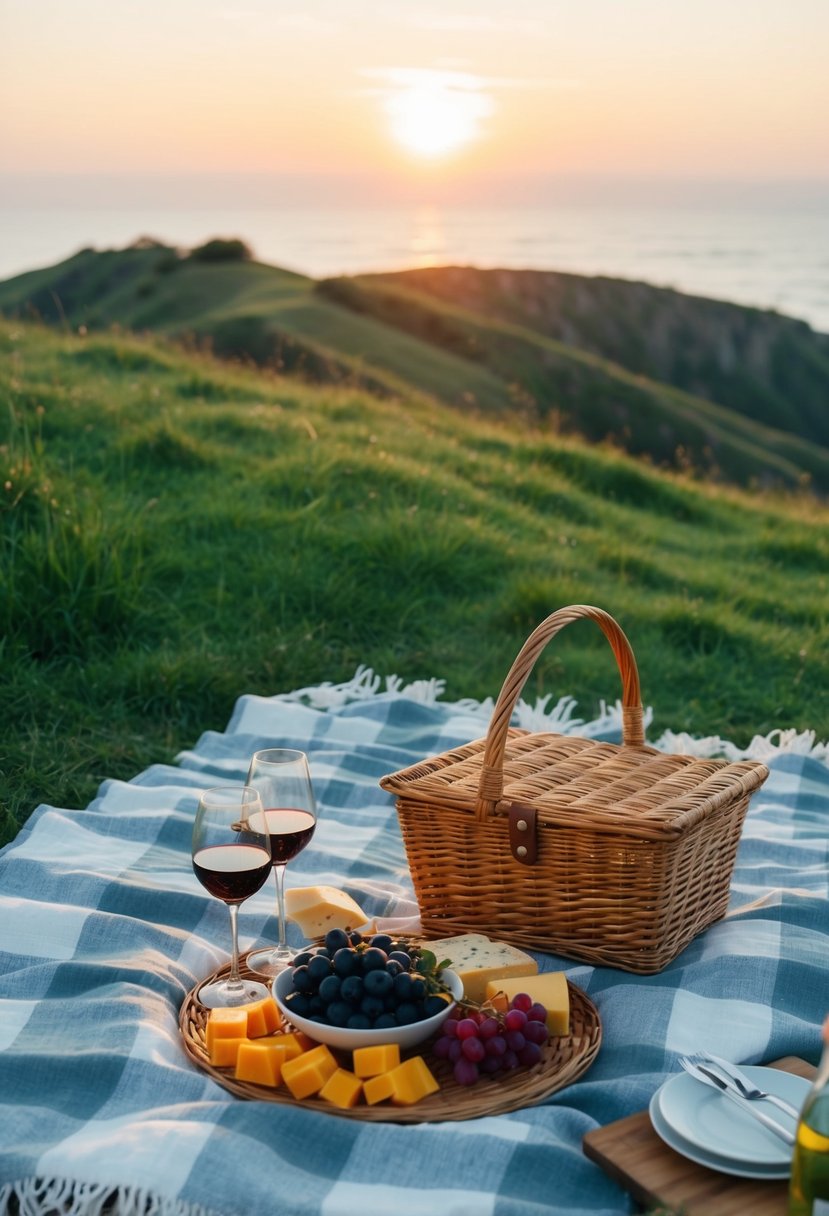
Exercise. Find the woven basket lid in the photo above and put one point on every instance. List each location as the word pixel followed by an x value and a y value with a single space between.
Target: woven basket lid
pixel 573 781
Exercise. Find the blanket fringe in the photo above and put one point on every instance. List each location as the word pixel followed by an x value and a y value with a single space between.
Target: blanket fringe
pixel 68 1197
pixel 366 684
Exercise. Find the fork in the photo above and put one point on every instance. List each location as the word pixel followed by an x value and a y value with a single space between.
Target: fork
pixel 708 1077
pixel 745 1086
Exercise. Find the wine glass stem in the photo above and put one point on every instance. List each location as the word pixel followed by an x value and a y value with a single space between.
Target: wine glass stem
pixel 279 872
pixel 234 980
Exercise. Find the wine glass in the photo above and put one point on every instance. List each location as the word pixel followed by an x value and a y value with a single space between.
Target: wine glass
pixel 231 858
pixel 283 781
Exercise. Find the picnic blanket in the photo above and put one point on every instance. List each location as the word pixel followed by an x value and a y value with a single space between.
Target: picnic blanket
pixel 104 929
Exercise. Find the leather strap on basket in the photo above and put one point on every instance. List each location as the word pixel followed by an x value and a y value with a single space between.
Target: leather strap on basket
pixel 491 784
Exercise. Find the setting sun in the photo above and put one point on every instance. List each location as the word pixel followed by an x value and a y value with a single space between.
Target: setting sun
pixel 433 114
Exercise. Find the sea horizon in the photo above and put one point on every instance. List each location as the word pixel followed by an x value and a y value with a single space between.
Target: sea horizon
pixel 760 245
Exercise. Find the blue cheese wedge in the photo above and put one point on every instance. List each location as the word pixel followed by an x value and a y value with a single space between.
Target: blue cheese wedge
pixel 478 960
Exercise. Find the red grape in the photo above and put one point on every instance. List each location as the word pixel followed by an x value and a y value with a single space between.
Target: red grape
pixel 455 1050
pixel 516 1019
pixel 473 1049
pixel 522 1001
pixel 515 1040
pixel 536 1032
pixel 441 1047
pixel 450 1027
pixel 529 1054
pixel 509 1061
pixel 467 1028
pixel 489 1028
pixel 466 1073
pixel 537 1013
pixel 496 1046
pixel 490 1064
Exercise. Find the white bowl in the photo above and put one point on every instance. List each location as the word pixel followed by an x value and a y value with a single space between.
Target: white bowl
pixel 341 1036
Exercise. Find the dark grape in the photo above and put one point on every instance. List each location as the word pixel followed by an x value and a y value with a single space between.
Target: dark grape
pixel 298 1003
pixel 302 960
pixel 336 939
pixel 406 1013
pixel 373 960
pixel 339 1013
pixel 433 1005
pixel 355 937
pixel 345 962
pixel 385 1021
pixel 319 968
pixel 358 1021
pixel 400 956
pixel 302 981
pixel 372 1006
pixel 403 986
pixel 331 989
pixel 418 989
pixel 490 1064
pixel 382 941
pixel 393 968
pixel 378 983
pixel 351 989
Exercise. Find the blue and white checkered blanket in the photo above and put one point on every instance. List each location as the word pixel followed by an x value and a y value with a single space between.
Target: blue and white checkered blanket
pixel 104 929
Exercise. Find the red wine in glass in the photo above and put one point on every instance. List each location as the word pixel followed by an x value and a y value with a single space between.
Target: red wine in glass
pixel 232 872
pixel 290 829
pixel 283 779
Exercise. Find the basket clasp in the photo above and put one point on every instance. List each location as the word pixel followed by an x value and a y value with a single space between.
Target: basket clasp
pixel 523 840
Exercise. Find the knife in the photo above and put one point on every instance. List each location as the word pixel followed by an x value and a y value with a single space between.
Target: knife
pixel 707 1077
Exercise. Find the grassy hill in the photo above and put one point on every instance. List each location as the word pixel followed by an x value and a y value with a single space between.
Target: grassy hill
pixel 177 531
pixel 736 394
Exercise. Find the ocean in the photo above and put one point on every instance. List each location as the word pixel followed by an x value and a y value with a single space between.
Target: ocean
pixel 770 252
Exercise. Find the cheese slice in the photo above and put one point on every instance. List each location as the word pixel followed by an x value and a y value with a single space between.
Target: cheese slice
pixel 549 990
pixel 318 909
pixel 477 960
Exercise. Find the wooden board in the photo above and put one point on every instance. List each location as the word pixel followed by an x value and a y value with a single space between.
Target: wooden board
pixel 634 1156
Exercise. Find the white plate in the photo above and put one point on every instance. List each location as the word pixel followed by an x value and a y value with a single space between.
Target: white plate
pixel 712 1160
pixel 716 1125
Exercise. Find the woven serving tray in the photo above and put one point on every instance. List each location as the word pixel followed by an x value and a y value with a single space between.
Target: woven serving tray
pixel 563 1060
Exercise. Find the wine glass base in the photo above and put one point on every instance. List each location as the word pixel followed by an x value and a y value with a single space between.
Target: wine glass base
pixel 222 995
pixel 269 962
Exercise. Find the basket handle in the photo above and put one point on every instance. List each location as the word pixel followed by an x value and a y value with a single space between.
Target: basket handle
pixel 491 784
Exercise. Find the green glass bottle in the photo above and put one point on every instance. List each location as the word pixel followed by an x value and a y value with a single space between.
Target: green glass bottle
pixel 809 1186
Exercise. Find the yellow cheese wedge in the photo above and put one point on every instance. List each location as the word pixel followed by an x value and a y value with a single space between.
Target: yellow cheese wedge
pixel 263 1017
pixel 342 1088
pixel 370 1061
pixel 307 1074
pixel 411 1081
pixel 477 960
pixel 318 909
pixel 549 990
pixel 259 1062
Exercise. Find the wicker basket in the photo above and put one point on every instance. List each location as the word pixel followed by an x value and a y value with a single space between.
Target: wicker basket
pixel 615 855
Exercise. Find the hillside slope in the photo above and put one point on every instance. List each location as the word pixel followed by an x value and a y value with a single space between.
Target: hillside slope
pixel 175 531
pixel 419 331
pixel 772 368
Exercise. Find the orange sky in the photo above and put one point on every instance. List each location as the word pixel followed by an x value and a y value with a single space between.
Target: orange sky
pixel 416 91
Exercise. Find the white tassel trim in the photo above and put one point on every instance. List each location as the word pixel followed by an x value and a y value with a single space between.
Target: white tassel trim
pixel 561 719
pixel 67 1197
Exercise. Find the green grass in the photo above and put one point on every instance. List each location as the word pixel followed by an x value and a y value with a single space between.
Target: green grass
pixel 176 532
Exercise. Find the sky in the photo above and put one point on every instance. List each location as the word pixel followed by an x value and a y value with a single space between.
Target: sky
pixel 392 94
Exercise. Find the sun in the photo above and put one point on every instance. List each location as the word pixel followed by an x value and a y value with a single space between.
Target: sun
pixel 436 113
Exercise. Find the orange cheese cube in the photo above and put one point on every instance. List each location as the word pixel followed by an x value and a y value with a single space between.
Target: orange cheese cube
pixel 342 1088
pixel 548 989
pixel 225 1024
pixel 263 1017
pixel 371 1061
pixel 223 1052
pixel 259 1062
pixel 287 1043
pixel 306 1074
pixel 379 1088
pixel 411 1081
